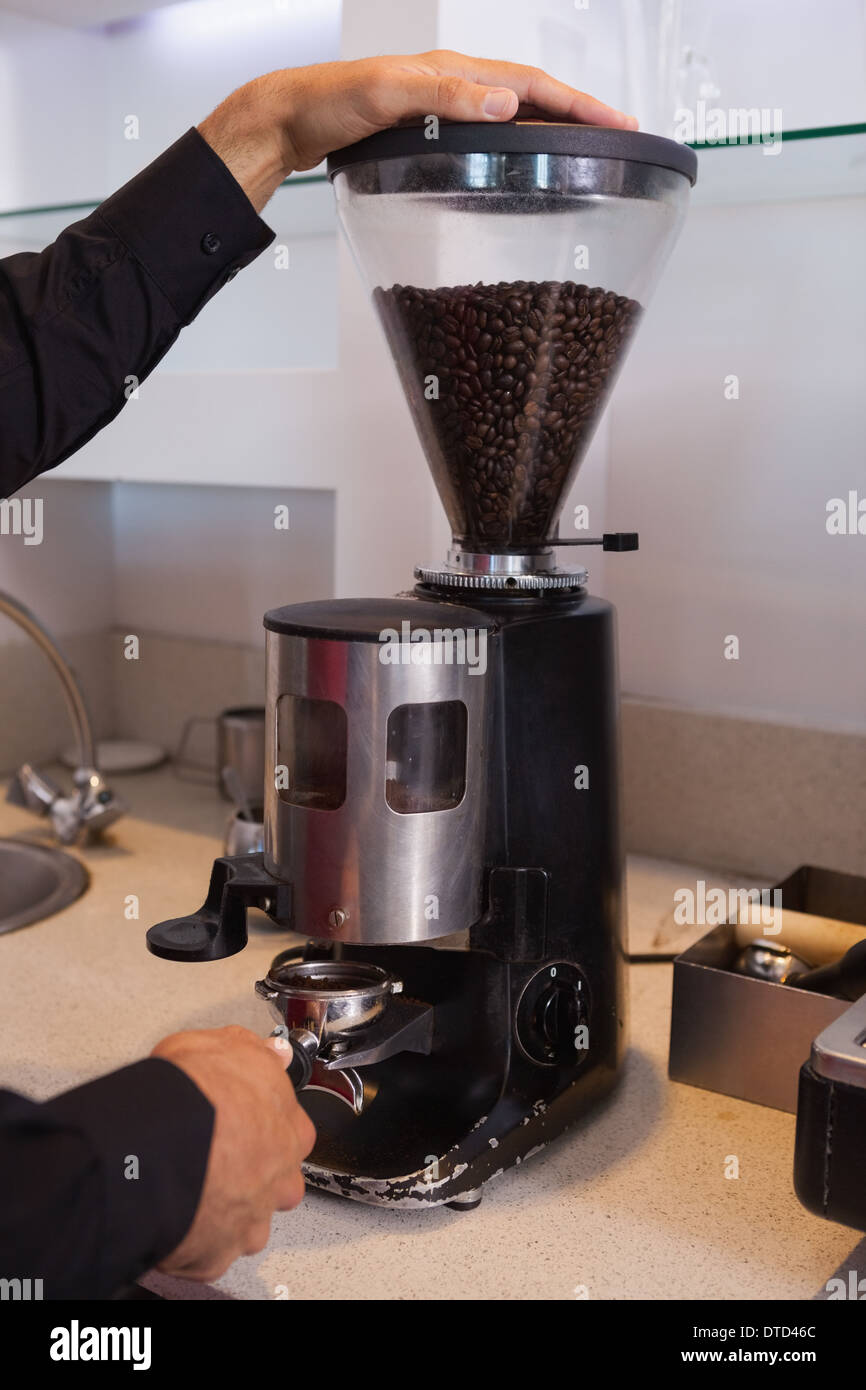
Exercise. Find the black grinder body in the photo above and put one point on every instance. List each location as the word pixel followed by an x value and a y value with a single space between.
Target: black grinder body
pixel 527 986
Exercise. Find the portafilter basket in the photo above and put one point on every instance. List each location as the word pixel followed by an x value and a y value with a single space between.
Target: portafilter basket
pixel 317 1002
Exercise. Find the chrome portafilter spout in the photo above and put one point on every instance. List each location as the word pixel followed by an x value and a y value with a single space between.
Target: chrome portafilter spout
pixel 338 1016
pixel 306 1072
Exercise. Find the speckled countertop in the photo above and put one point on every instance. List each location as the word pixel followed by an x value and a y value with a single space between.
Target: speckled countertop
pixel 633 1203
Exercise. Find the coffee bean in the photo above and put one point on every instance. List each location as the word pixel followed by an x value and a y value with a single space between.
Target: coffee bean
pixel 524 369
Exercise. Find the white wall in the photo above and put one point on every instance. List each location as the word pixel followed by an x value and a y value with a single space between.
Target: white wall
pixel 730 495
pixel 207 562
pixel 190 570
pixel 81 13
pixel 199 561
pixel 650 56
pixel 579 46
pixel 170 68
pixel 52 118
pixel 808 60
pixel 67 582
pixel 66 579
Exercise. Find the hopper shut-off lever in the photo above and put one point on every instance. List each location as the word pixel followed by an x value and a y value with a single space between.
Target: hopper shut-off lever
pixel 610 540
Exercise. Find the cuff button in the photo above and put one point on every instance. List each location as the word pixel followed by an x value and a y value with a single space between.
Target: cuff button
pixel 210 243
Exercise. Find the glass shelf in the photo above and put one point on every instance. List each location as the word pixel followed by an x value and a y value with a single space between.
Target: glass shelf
pixel 825 162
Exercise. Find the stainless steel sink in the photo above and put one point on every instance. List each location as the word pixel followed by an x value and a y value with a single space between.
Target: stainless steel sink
pixel 36 881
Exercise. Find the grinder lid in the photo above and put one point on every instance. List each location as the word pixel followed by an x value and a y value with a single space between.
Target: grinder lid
pixel 520 137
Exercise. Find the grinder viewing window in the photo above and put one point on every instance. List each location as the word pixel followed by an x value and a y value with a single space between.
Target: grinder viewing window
pixel 441 796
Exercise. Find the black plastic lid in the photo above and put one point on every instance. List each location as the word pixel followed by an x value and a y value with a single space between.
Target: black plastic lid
pixel 365 619
pixel 520 137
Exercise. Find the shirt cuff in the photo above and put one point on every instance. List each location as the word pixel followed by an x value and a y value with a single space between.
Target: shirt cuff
pixel 149 1128
pixel 187 220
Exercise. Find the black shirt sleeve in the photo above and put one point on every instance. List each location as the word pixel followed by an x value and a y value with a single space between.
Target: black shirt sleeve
pixel 102 1182
pixel 87 319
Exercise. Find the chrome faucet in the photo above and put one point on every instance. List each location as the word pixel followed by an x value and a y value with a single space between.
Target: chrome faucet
pixel 93 805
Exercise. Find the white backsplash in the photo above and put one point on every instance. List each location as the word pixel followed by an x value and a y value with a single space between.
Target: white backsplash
pixel 189 571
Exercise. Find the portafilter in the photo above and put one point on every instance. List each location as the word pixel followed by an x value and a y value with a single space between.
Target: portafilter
pixel 317 1003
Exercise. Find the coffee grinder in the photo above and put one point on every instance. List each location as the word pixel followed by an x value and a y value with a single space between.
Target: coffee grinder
pixel 441 793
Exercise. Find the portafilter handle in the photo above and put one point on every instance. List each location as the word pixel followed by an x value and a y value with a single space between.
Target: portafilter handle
pixel 305 1047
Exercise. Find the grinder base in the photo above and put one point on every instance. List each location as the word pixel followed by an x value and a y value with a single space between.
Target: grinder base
pixel 482 1100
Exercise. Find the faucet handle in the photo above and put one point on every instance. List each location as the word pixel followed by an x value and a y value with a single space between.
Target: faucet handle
pixel 98 806
pixel 92 806
pixel 33 790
